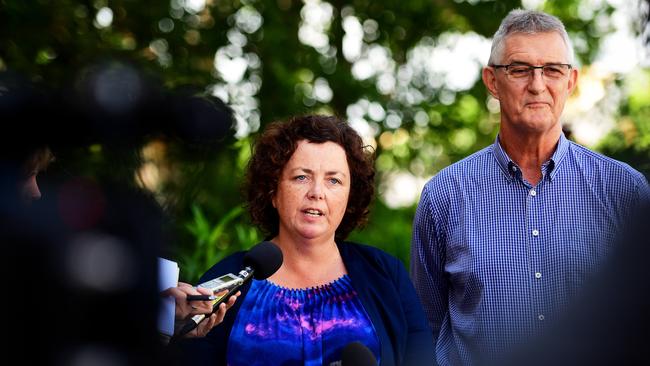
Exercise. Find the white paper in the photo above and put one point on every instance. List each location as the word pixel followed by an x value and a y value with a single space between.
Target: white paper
pixel 167 277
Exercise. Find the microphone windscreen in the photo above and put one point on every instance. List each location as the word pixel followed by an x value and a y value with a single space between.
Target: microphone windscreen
pixel 265 258
pixel 356 354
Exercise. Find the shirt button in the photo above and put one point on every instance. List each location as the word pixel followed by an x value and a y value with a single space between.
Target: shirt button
pixel 514 168
pixel 533 193
pixel 538 275
pixel 540 317
pixel 535 232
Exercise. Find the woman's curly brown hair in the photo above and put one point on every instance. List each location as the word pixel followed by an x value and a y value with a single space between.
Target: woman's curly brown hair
pixel 275 147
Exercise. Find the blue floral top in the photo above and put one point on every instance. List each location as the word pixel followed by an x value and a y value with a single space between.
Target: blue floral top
pixel 280 326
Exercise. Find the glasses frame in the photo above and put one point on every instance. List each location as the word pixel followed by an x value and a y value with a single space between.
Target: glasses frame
pixel 531 69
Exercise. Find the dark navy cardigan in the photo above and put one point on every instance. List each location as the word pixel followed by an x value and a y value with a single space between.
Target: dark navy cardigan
pixel 387 295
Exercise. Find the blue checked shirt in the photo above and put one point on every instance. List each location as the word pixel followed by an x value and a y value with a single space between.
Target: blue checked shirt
pixel 494 259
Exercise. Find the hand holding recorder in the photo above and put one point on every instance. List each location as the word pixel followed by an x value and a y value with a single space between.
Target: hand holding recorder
pixel 191 301
pixel 262 261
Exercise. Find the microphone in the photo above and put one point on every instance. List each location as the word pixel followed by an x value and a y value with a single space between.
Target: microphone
pixel 356 354
pixel 262 261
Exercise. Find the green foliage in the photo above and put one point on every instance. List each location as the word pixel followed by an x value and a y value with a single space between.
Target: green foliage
pixel 630 139
pixel 213 241
pixel 388 229
pixel 55 41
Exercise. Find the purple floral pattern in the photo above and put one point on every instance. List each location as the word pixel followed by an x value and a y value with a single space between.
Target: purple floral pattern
pixel 280 326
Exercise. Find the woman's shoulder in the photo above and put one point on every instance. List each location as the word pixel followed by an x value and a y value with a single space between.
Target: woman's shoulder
pixel 363 249
pixel 351 251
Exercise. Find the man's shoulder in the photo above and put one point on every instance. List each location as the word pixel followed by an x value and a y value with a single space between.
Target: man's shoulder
pixel 468 168
pixel 604 164
pixel 467 164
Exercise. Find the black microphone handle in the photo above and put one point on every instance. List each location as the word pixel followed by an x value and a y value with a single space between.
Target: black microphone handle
pixel 188 327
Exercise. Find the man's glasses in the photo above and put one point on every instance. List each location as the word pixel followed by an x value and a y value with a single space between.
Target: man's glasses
pixel 524 72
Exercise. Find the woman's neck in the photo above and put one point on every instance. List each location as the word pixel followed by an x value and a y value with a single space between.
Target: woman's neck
pixel 307 263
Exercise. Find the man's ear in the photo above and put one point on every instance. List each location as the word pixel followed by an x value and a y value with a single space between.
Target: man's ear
pixel 490 81
pixel 573 80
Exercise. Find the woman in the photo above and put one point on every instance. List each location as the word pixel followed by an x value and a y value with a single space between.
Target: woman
pixel 39 159
pixel 309 184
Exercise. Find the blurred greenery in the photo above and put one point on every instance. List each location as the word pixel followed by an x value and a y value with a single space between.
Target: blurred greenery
pixel 258 57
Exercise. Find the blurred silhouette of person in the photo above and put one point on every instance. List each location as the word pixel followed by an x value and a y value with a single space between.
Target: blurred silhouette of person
pixel 36 162
pixel 86 259
pixel 87 250
pixel 24 152
pixel 85 254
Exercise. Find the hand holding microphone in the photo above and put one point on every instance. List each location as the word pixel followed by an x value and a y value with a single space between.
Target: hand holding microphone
pixel 260 262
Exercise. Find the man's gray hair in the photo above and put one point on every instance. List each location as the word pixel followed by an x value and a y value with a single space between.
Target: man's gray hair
pixel 530 22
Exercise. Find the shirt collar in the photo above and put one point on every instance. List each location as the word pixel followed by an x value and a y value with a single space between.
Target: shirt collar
pixel 503 160
pixel 558 156
pixel 511 169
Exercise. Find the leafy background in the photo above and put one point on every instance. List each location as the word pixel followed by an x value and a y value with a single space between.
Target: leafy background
pixel 404 73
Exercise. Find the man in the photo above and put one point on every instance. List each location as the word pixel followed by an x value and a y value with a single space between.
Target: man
pixel 503 239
